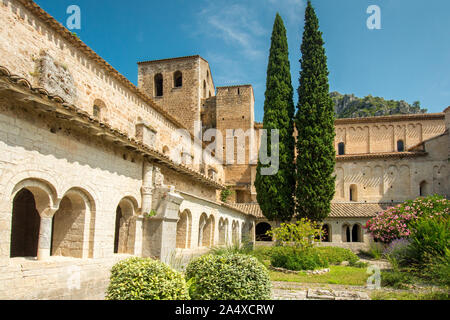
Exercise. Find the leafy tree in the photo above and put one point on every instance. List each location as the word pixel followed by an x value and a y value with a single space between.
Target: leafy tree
pixel 315 125
pixel 275 192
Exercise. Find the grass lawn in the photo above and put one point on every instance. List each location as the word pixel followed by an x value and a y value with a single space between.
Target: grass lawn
pixel 337 275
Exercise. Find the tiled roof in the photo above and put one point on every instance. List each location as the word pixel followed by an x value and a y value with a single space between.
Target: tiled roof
pixel 56 105
pixel 338 210
pixel 391 118
pixel 357 210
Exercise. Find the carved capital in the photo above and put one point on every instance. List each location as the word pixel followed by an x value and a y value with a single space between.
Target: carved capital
pixel 147 190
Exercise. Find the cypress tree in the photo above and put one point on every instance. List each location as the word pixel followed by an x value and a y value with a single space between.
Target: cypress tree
pixel 314 121
pixel 275 192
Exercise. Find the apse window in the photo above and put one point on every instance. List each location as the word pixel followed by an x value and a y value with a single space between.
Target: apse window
pixel 400 146
pixel 341 149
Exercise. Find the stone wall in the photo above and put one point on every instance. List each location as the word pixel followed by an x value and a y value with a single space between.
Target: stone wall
pixel 380 135
pixel 394 179
pixel 34 50
pixel 56 279
pixel 234 112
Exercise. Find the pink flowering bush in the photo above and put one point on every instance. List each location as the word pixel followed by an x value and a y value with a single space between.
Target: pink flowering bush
pixel 394 223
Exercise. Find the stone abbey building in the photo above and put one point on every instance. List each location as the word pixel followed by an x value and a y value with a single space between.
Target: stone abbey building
pixel 91 172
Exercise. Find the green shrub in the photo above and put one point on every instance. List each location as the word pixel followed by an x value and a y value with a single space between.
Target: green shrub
pixel 244 248
pixel 430 237
pixel 375 250
pixel 298 259
pixel 395 279
pixel 301 234
pixel 145 279
pixel 395 222
pixel 336 255
pixel 359 264
pixel 437 269
pixel 228 277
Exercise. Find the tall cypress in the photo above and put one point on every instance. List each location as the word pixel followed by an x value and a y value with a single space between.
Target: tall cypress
pixel 275 192
pixel 314 121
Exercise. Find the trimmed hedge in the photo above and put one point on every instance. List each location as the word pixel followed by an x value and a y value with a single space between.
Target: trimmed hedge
pixel 146 279
pixel 228 277
pixel 298 259
pixel 336 255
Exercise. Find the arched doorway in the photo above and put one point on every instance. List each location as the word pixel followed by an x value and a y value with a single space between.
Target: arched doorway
pixel 235 232
pixel 25 225
pixel 423 189
pixel 124 227
pixel 326 233
pixel 346 233
pixel 184 230
pixel 72 225
pixel 208 232
pixel 356 233
pixel 201 229
pixel 223 230
pixel 261 231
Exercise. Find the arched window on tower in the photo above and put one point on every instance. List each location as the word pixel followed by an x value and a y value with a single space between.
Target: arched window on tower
pixel 178 79
pixel 98 109
pixel 400 146
pixel 158 85
pixel 204 89
pixel 341 148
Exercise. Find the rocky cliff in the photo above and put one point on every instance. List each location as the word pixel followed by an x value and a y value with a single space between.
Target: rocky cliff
pixel 349 106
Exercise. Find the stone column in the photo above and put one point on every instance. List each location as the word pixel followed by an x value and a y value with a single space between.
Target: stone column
pixel 161 230
pixel 139 236
pixel 147 187
pixel 45 238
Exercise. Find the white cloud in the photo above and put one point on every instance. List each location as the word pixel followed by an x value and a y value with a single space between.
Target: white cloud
pixel 235 24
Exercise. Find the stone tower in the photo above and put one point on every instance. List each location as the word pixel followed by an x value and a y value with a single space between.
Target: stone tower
pixel 179 85
pixel 235 112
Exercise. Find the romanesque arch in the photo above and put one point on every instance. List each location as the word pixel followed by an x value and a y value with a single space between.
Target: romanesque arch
pixel 356 233
pixel 326 233
pixel 346 233
pixel 424 189
pixel 235 232
pixel 124 230
pixel 208 235
pixel 202 229
pixel 25 225
pixel 223 231
pixel 184 227
pixel 261 231
pixel 72 225
pixel 99 109
pixel 31 199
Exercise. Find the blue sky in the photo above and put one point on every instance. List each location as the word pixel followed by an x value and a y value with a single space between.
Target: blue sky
pixel 408 59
